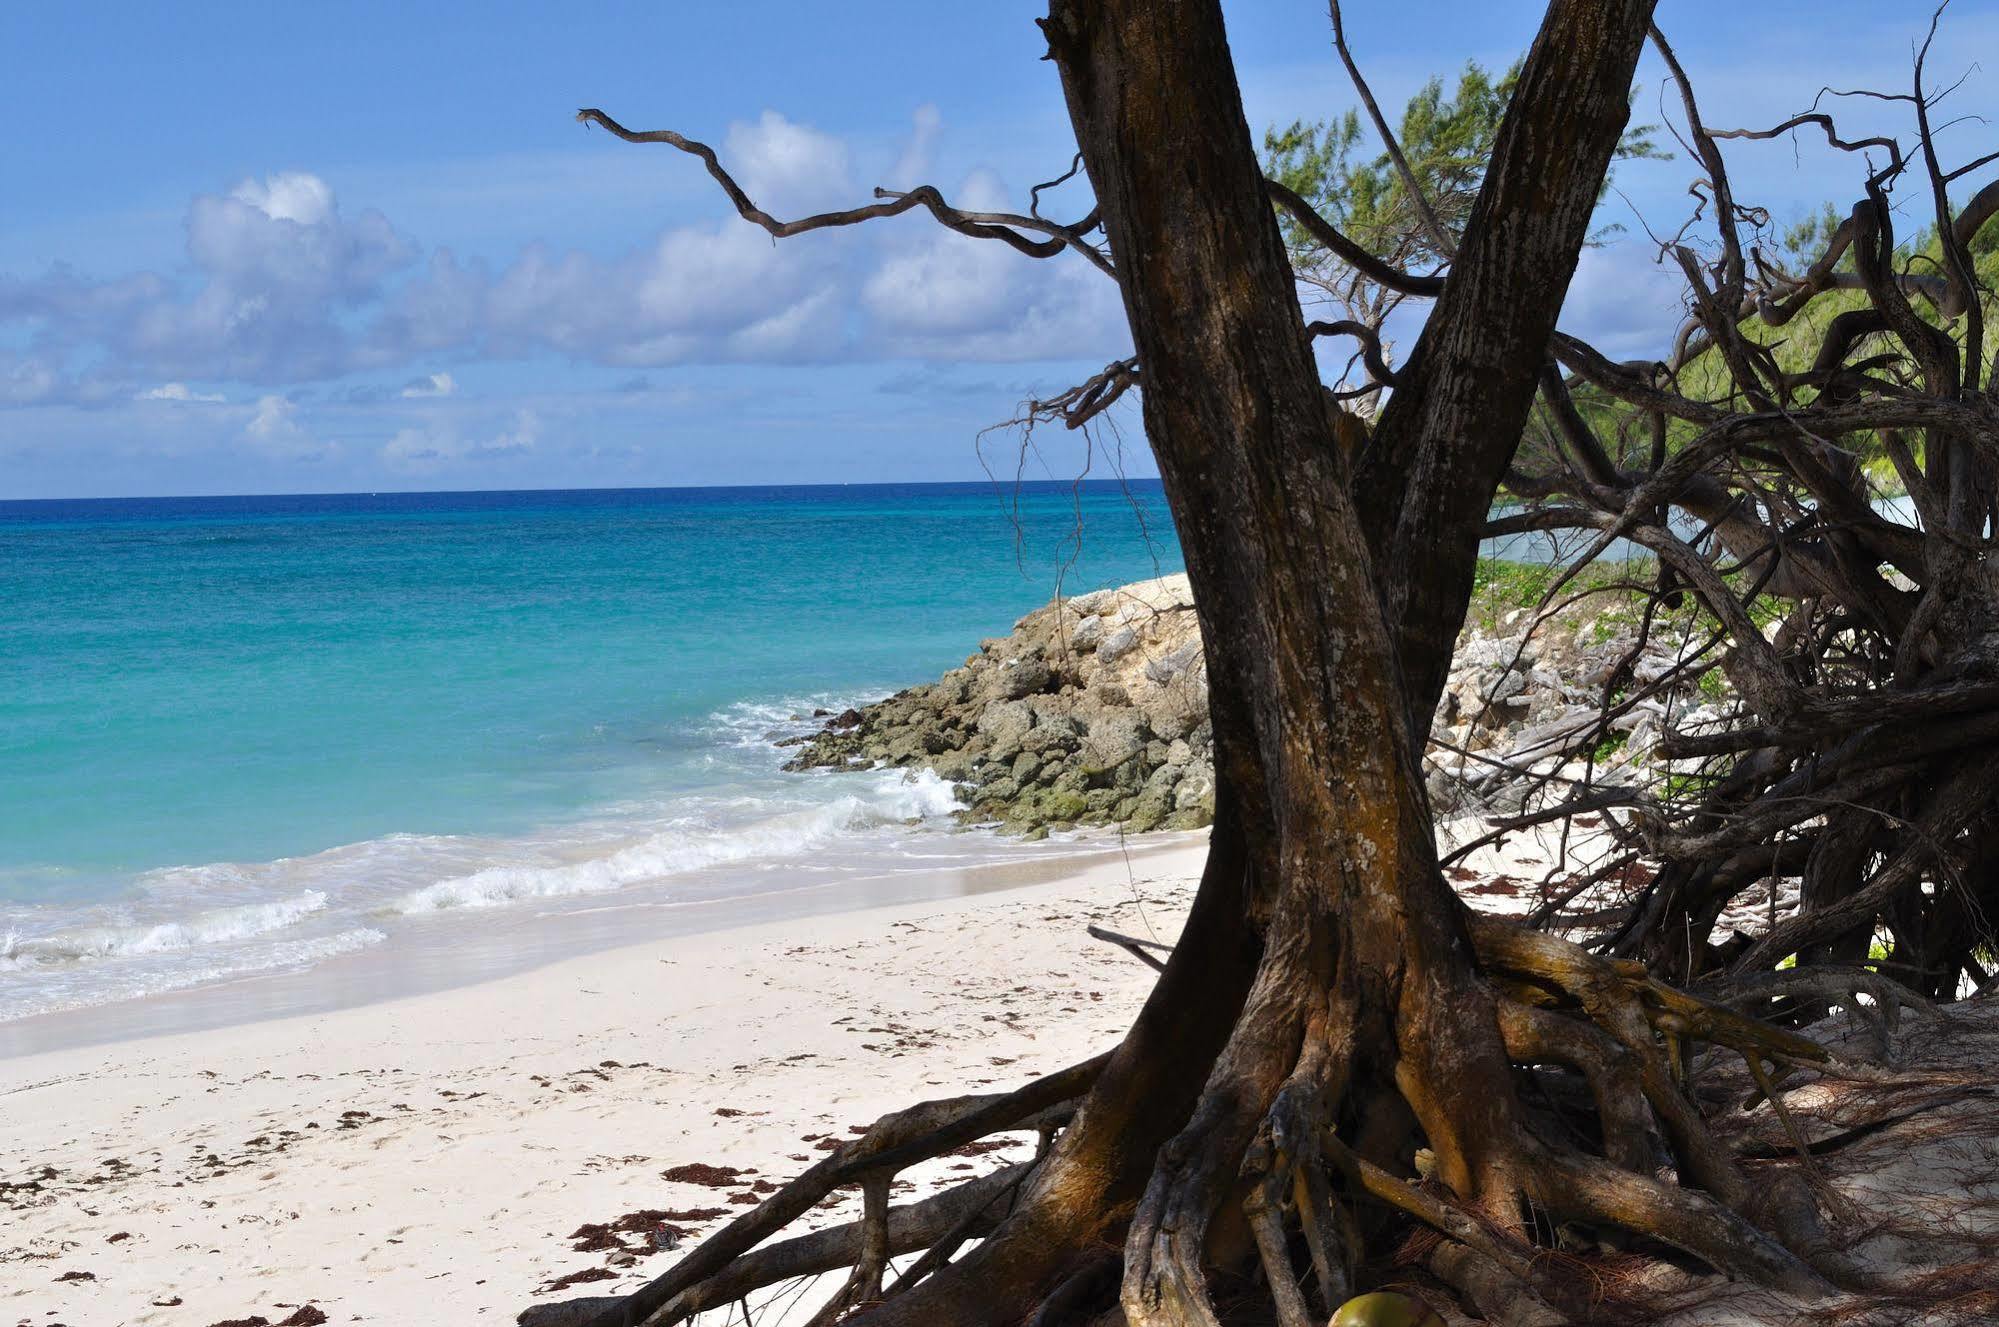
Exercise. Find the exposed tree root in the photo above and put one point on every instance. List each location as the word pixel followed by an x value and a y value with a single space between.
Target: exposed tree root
pixel 1288 1192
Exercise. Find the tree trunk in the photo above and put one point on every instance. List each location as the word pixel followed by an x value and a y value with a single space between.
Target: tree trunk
pixel 1325 867
pixel 1327 992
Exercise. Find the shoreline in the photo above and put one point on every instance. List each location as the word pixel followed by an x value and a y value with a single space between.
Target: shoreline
pixel 448 951
pixel 437 1149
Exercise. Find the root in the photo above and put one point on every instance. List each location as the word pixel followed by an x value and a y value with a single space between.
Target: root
pixel 966 1210
pixel 1876 1001
pixel 1284 1178
pixel 1167 1254
pixel 706 1276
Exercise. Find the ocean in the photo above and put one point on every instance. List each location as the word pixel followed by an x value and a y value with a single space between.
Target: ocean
pixel 241 736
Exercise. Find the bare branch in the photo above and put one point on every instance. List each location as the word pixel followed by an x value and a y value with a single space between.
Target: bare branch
pixel 1370 346
pixel 1350 252
pixel 1007 227
pixel 1438 235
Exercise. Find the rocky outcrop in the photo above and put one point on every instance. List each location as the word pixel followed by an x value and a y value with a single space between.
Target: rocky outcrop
pixel 1095 711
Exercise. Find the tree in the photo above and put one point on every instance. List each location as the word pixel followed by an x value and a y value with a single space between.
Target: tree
pixel 1405 205
pixel 1333 1052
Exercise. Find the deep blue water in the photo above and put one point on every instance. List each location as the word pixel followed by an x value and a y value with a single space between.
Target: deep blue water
pixel 200 697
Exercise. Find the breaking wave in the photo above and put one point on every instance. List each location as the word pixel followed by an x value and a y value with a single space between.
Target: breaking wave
pixel 689 846
pixel 220 926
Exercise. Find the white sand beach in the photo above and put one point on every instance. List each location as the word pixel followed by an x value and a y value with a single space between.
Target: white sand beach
pixel 463 1153
pixel 433 1153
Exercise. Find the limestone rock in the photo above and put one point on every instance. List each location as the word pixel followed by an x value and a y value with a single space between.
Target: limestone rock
pixel 1094 710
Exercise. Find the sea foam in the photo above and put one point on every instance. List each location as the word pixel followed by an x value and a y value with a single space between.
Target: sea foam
pixel 219 926
pixel 893 798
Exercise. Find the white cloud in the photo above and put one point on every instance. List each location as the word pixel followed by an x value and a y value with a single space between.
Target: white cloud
pixel 1623 302
pixel 291 196
pixel 177 391
pixel 437 384
pixel 913 166
pixel 787 168
pixel 27 380
pixel 424 450
pixel 278 274
pixel 274 430
pixel 284 288
pixel 949 296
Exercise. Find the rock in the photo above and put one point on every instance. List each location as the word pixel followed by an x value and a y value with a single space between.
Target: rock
pixel 1162 669
pixel 1052 732
pixel 1025 677
pixel 1117 645
pixel 1094 710
pixel 1064 806
pixel 1115 736
pixel 1196 792
pixel 1005 724
pixel 994 796
pixel 954 766
pixel 1176 712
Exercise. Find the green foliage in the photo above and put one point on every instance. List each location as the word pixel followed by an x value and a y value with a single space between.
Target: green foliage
pixel 1499 587
pixel 1447 141
pixel 1807 239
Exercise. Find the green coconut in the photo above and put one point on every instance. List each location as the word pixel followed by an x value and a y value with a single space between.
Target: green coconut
pixel 1385 1308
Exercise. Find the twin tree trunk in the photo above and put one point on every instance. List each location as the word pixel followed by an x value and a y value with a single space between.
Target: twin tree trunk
pixel 1325 1015
pixel 1323 933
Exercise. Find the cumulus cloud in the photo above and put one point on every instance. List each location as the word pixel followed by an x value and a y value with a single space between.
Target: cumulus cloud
pixel 284 287
pixel 788 167
pixel 27 380
pixel 276 270
pixel 275 431
pixel 1624 302
pixel 950 296
pixel 913 166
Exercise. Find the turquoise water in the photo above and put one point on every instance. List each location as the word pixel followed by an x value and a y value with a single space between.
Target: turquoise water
pixel 241 733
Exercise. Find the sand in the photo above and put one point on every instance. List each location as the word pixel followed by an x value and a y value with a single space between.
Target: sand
pixel 434 1153
pixel 439 1156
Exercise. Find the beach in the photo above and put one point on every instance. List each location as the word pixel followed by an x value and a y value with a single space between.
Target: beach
pixel 568 1129
pixel 435 1151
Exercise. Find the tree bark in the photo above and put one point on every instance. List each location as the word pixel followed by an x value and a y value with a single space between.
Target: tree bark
pixel 1450 430
pixel 1327 991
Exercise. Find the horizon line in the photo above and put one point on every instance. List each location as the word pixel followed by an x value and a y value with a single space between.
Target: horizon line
pixel 595 488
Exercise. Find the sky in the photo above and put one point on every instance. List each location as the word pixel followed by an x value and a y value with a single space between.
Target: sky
pixel 256 248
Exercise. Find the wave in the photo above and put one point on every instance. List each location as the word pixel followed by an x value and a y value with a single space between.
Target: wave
pixel 689 846
pixel 220 926
pixel 697 829
pixel 191 970
pixel 754 725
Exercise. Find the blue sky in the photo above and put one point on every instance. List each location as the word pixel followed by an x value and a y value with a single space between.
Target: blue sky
pixel 281 248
